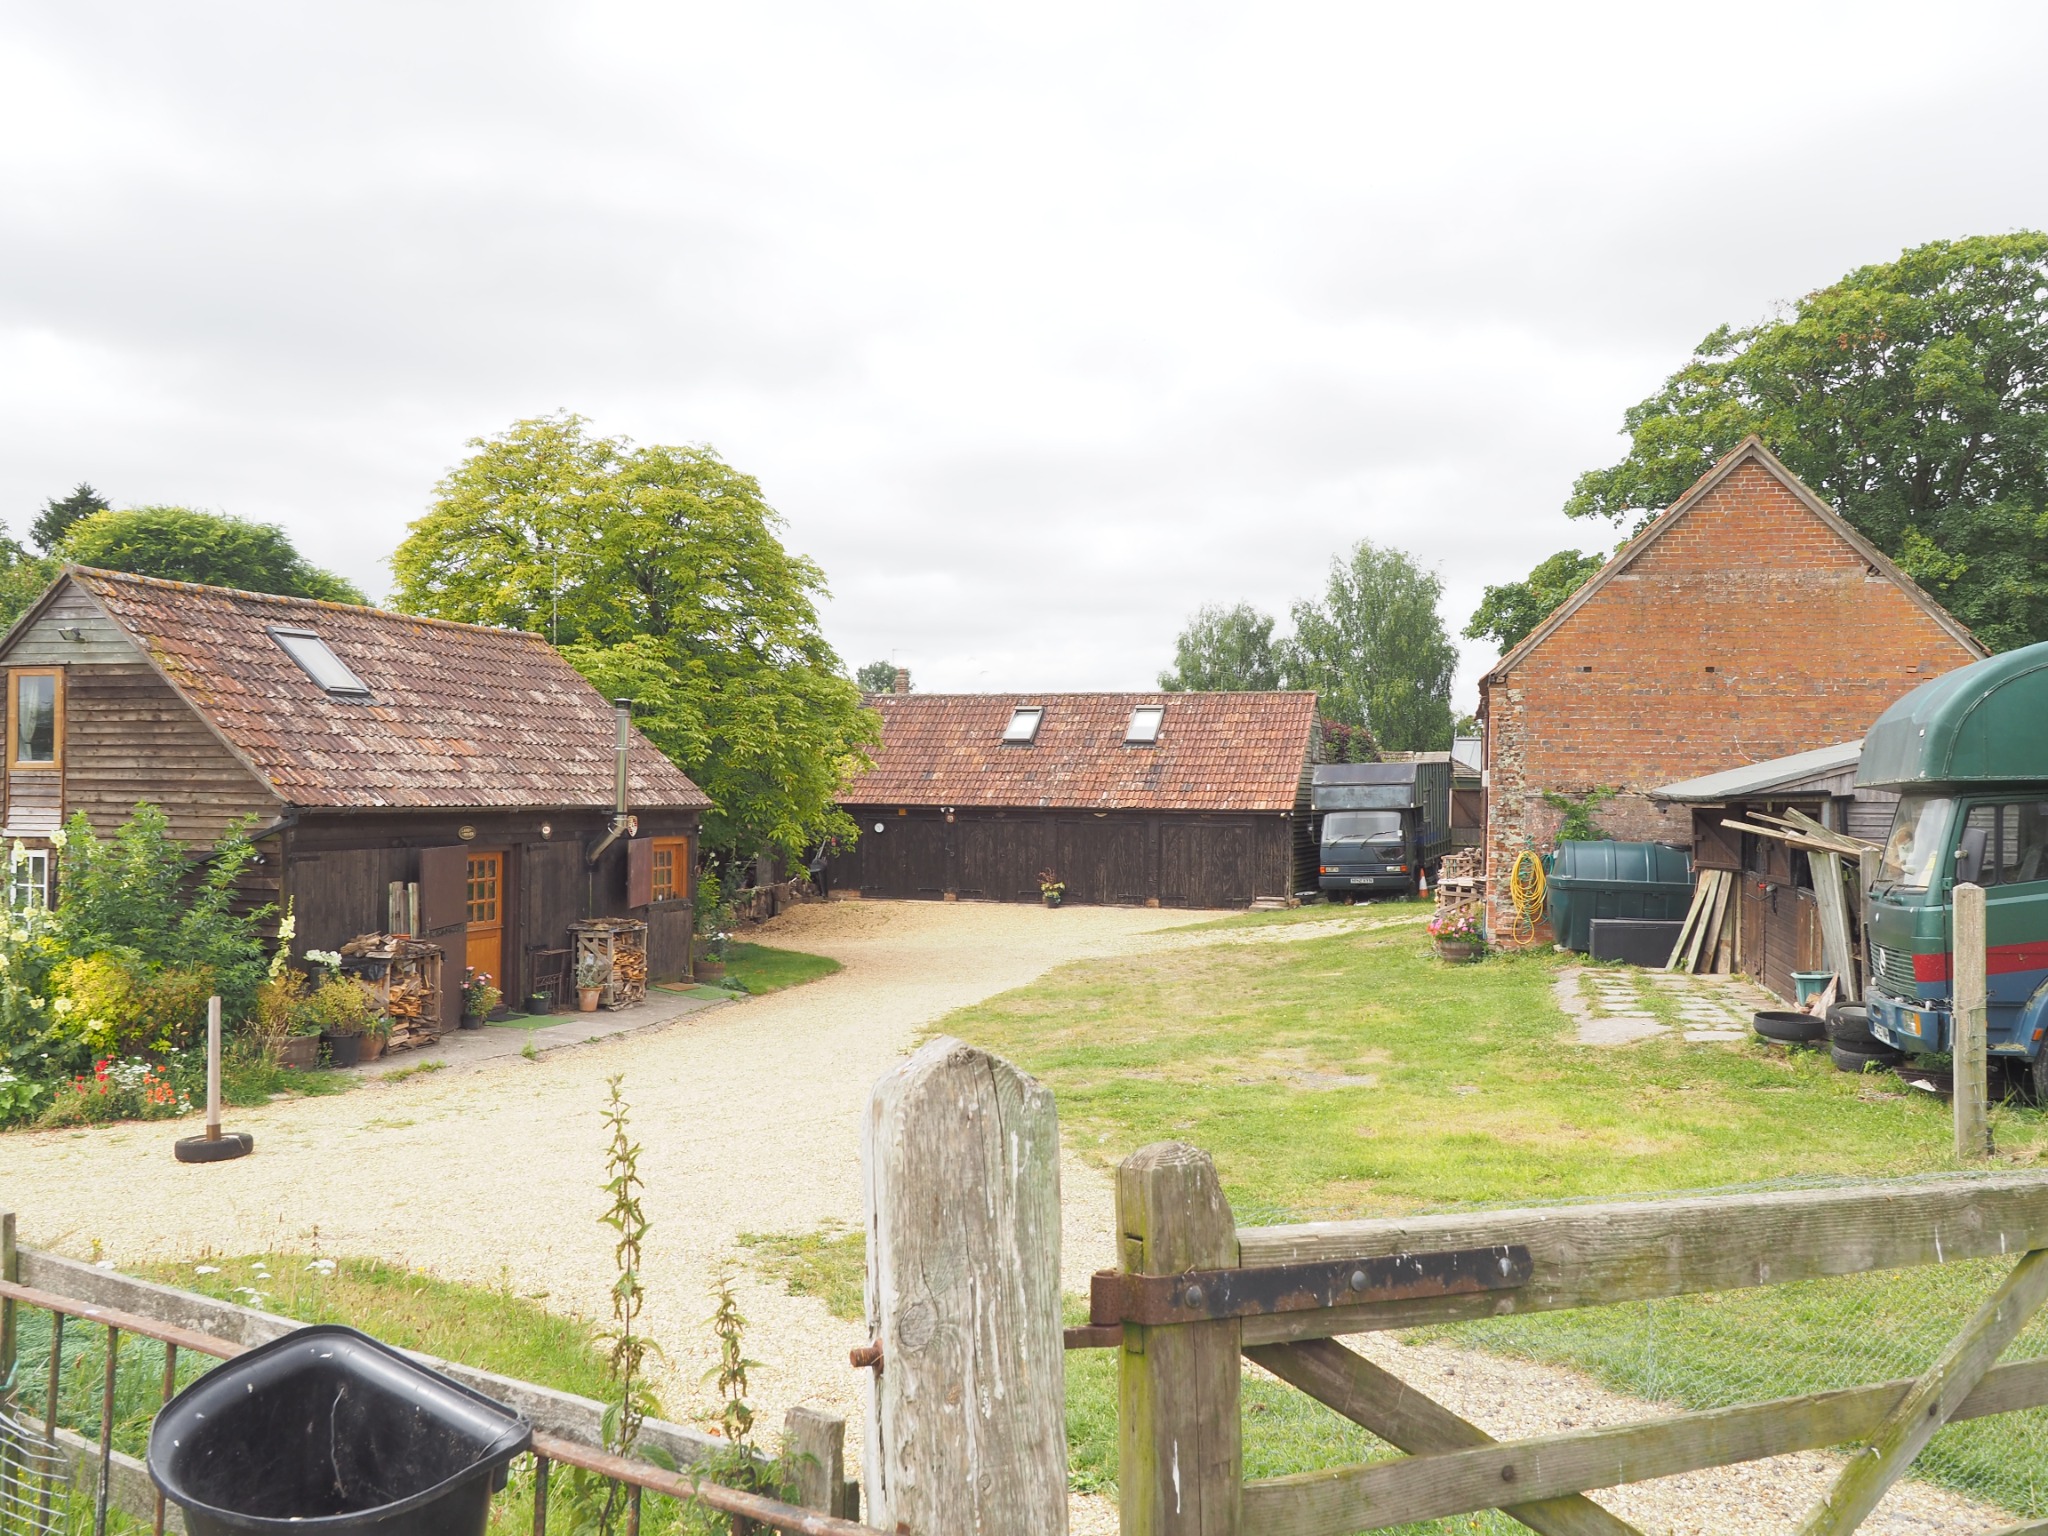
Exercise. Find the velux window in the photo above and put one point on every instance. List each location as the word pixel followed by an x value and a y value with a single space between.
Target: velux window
pixel 1023 727
pixel 319 663
pixel 1143 731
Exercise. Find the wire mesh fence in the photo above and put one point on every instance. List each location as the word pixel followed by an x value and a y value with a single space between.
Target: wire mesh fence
pixel 1727 1348
pixel 35 1479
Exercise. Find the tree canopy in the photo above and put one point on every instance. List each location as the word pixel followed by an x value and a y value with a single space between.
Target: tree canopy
pixel 1508 612
pixel 59 513
pixel 1376 651
pixel 877 677
pixel 1913 395
pixel 660 573
pixel 1224 650
pixel 180 544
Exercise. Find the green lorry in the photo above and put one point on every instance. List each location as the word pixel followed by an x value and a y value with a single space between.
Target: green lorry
pixel 1968 754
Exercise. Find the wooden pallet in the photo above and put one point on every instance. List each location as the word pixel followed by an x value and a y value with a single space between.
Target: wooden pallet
pixel 621 942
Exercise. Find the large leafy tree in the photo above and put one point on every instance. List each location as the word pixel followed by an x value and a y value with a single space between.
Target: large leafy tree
pixel 1224 649
pixel 660 573
pixel 1913 395
pixel 1376 651
pixel 1508 612
pixel 60 512
pixel 876 677
pixel 180 544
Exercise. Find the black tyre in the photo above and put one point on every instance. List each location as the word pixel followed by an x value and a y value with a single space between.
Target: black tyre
pixel 1845 1013
pixel 1789 1028
pixel 1854 1035
pixel 1864 1061
pixel 197 1149
pixel 2037 1078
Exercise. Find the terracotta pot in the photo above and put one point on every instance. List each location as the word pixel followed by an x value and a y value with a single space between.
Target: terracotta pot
pixel 299 1052
pixel 1459 951
pixel 586 998
pixel 373 1047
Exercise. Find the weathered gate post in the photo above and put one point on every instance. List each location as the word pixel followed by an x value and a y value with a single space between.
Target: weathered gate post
pixel 1181 1461
pixel 1969 998
pixel 966 1409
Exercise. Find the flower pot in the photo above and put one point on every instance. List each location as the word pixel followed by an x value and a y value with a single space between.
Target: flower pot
pixel 1052 898
pixel 373 1047
pixel 344 1050
pixel 539 1002
pixel 472 1020
pixel 709 970
pixel 299 1052
pixel 1459 951
pixel 586 998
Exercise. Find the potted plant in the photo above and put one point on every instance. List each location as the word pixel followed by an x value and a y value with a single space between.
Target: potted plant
pixel 375 1036
pixel 290 1034
pixel 592 972
pixel 1459 933
pixel 344 1011
pixel 1051 887
pixel 479 998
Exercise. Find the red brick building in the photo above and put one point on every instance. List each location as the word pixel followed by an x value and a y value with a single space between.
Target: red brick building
pixel 1747 622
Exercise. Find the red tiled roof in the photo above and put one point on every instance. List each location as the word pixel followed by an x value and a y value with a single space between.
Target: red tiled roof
pixel 1216 752
pixel 458 715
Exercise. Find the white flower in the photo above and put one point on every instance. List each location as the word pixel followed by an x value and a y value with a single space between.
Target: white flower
pixel 207 1269
pixel 104 1264
pixel 322 1266
pixel 59 837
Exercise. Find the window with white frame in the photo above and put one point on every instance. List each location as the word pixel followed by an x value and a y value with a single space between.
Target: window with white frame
pixel 29 879
pixel 1023 727
pixel 1143 731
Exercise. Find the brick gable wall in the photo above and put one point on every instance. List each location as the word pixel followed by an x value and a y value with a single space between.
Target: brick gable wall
pixel 1748 630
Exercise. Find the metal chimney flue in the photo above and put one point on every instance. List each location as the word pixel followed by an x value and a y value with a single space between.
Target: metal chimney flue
pixel 623 710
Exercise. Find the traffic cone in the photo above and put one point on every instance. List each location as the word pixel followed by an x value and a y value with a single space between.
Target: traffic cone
pixel 1421 880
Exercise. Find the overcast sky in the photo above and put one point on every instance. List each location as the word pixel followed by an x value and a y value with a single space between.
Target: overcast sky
pixel 1040 325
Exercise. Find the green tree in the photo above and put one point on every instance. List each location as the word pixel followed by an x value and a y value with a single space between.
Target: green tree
pixel 57 516
pixel 876 677
pixel 1224 650
pixel 660 573
pixel 1376 651
pixel 1508 612
pixel 23 577
pixel 1913 395
pixel 180 544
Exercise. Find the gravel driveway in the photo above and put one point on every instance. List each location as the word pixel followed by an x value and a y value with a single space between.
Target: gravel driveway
pixel 748 1117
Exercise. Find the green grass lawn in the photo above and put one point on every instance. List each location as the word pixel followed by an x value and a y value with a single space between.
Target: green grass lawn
pixel 1353 1074
pixel 761 968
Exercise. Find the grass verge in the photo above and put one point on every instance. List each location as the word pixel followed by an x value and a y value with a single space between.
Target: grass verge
pixel 760 968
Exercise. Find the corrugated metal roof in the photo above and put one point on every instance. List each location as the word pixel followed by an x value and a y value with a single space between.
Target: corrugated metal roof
pixel 458 714
pixel 1776 774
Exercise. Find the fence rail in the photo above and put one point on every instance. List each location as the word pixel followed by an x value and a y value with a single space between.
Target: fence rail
pixel 1182 1457
pixel 120 1481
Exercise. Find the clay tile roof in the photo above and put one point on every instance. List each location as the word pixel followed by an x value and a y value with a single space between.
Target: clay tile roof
pixel 1216 752
pixel 458 714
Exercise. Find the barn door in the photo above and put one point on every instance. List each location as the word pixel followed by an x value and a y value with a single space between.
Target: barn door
pixel 444 919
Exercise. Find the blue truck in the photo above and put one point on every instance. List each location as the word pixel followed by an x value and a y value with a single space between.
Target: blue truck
pixel 1381 824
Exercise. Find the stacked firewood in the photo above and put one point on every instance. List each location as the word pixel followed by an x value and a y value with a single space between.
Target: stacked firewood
pixel 630 966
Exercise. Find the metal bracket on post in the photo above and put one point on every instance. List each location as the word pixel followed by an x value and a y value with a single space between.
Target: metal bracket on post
pixel 1205 1295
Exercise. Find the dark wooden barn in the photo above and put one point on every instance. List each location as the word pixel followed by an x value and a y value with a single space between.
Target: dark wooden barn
pixel 1156 799
pixel 366 748
pixel 1777 928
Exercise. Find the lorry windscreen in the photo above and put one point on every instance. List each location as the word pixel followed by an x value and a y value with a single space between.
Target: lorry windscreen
pixel 1919 836
pixel 1362 827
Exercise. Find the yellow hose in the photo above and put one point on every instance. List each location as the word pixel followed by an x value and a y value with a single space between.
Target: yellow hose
pixel 1528 888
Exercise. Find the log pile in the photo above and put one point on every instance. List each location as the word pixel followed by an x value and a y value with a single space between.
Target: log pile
pixel 405 975
pixel 621 942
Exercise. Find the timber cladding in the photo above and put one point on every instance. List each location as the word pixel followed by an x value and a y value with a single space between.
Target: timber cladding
pixel 1116 858
pixel 1748 622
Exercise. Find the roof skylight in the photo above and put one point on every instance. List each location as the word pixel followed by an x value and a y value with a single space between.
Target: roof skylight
pixel 319 663
pixel 1143 731
pixel 1023 727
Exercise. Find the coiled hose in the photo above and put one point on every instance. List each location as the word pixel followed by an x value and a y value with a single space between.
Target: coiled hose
pixel 1528 889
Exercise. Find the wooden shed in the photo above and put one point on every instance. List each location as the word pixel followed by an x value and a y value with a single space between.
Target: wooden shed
pixel 1155 799
pixel 368 748
pixel 1777 927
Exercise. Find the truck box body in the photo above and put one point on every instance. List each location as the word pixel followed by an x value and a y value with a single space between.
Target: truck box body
pixel 1380 824
pixel 1969 753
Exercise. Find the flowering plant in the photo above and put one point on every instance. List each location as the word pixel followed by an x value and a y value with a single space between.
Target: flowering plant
pixel 1459 925
pixel 117 1089
pixel 479 997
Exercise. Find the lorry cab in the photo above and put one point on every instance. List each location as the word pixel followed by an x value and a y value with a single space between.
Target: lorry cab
pixel 1382 824
pixel 1367 851
pixel 1968 753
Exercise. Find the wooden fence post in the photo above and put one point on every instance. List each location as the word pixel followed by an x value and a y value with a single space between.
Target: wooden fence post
pixel 1970 998
pixel 966 1422
pixel 10 1270
pixel 1181 1459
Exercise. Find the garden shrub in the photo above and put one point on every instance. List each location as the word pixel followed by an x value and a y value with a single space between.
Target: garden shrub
pixel 340 1005
pixel 116 1003
pixel 116 1090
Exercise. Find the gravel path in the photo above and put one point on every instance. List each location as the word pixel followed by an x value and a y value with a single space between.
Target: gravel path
pixel 749 1121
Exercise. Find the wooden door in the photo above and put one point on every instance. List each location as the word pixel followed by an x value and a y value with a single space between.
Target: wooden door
pixel 486 932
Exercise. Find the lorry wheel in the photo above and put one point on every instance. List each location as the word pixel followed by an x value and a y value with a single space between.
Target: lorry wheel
pixel 2037 1078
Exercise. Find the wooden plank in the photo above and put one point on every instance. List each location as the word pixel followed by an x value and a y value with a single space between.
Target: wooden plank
pixel 1180 1448
pixel 1692 953
pixel 1409 1421
pixel 967 1417
pixel 1969 1048
pixel 1346 1499
pixel 1722 898
pixel 10 1270
pixel 1592 1255
pixel 1933 1399
pixel 1691 923
pixel 814 1444
pixel 129 1489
